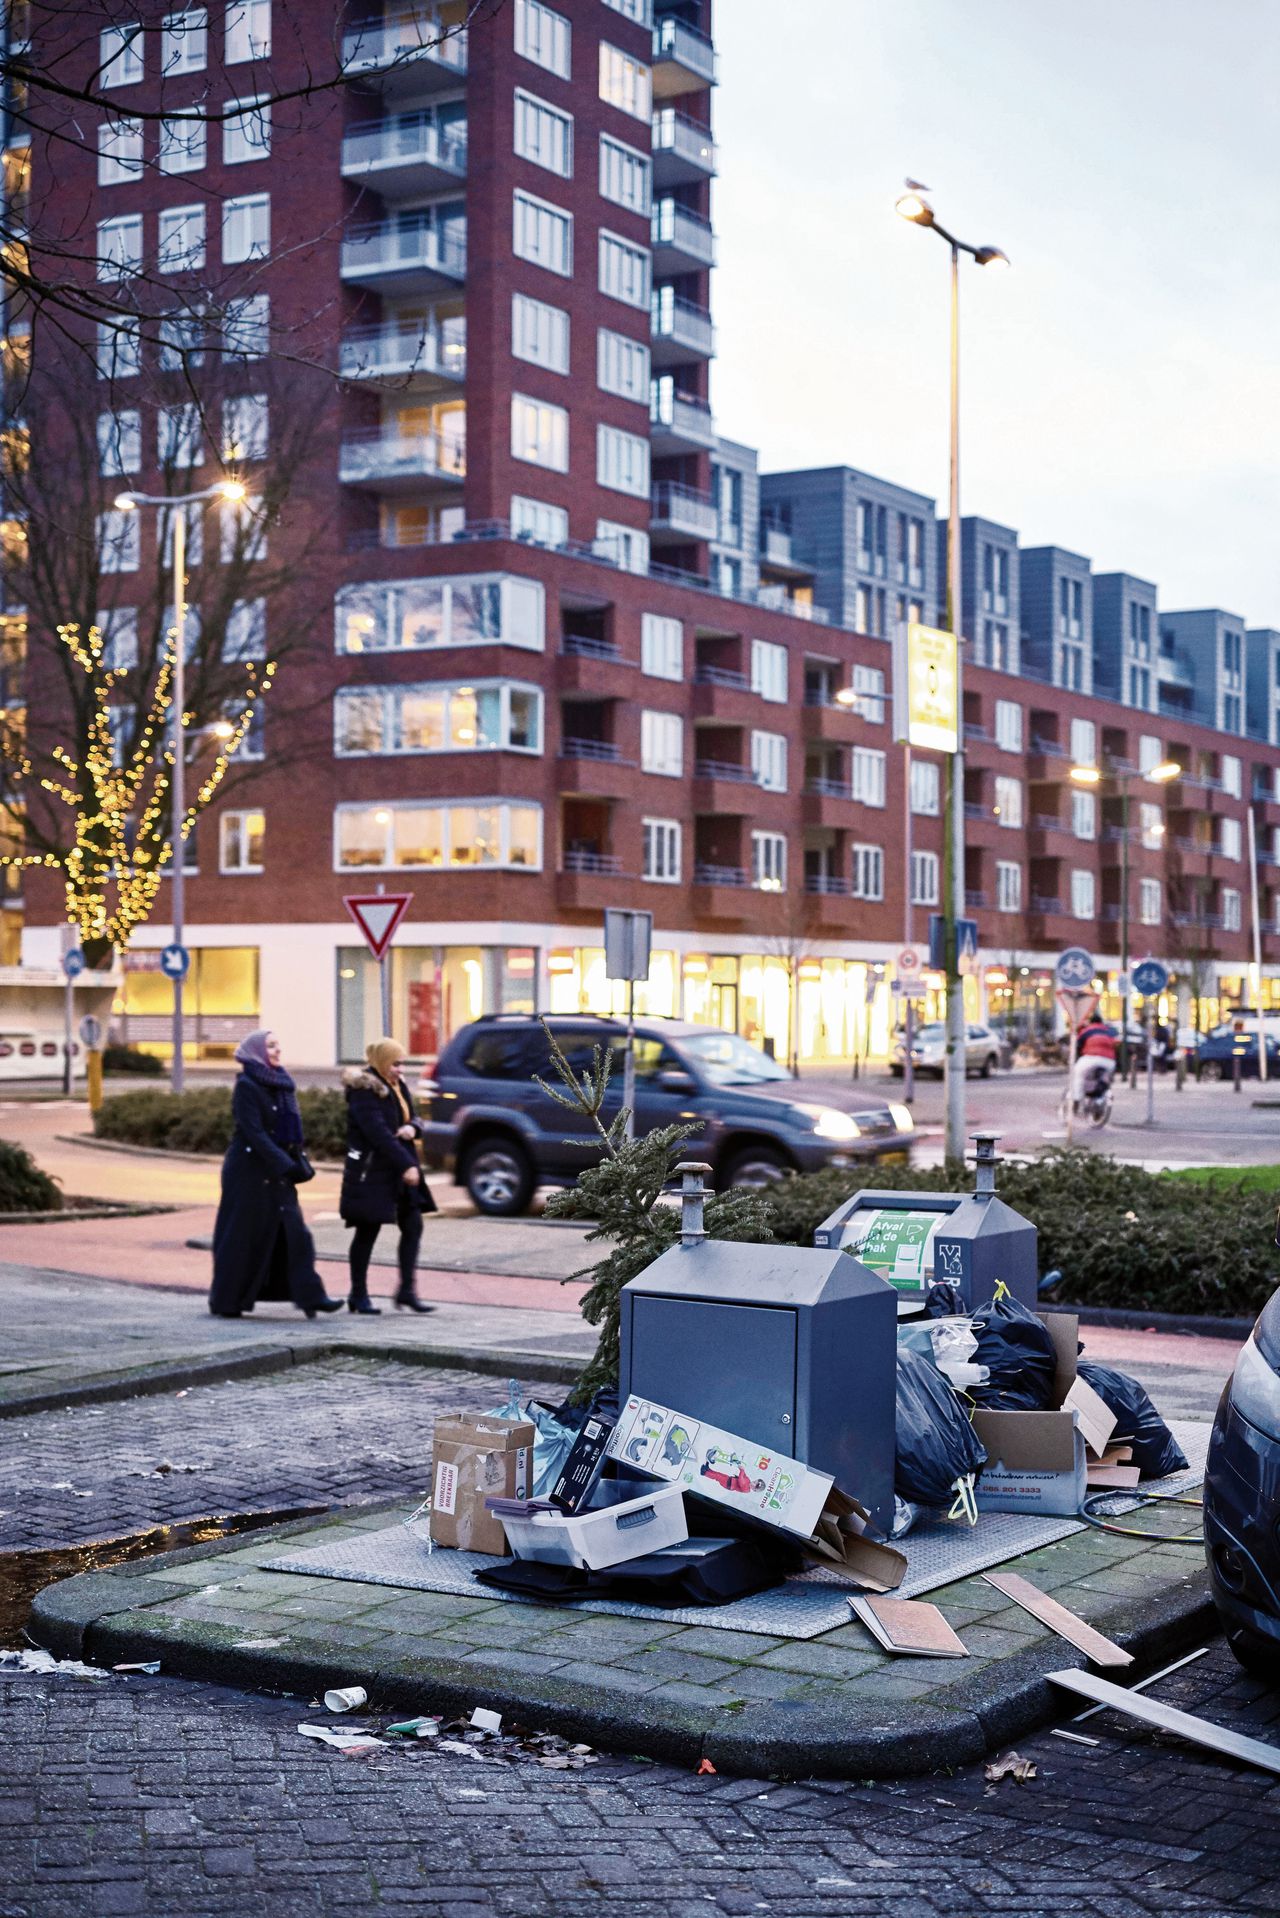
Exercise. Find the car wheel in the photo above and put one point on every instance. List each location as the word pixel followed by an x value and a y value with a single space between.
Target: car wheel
pixel 895 1072
pixel 1258 1655
pixel 1211 1070
pixel 498 1175
pixel 988 1066
pixel 755 1167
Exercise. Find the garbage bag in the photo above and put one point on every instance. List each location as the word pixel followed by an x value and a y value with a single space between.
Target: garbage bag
pixel 951 1345
pixel 1013 1344
pixel 552 1438
pixel 1156 1452
pixel 937 1446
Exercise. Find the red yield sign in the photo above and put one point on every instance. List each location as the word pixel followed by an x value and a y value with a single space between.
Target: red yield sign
pixel 377 914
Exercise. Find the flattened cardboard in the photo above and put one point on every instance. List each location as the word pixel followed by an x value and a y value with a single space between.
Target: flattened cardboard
pixel 474 1458
pixel 1217 1738
pixel 1094 1416
pixel 908 1627
pixel 1038 1461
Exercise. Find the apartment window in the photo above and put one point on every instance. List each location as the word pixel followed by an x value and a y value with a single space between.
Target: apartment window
pixel 245 635
pixel 1231 774
pixel 661 646
pixel 543 36
pixel 437 717
pixel 1150 825
pixel 542 233
pixel 120 56
pixel 243 530
pixel 868 684
pixel 544 134
pixel 120 442
pixel 248 325
pixel 769 671
pixel 624 271
pixel 867 776
pixel 867 872
pixel 1150 751
pixel 539 433
pixel 769 761
pixel 179 435
pixel 248 34
pixel 861 610
pixel 624 83
pixel 540 333
pixel 1009 725
pixel 662 744
pixel 119 541
pixel 181 245
pixel 535 520
pixel 1008 886
pixel 1230 909
pixel 622 461
pixel 119 247
pixel 641 11
pixel 625 175
pixel 246 230
pixel 622 366
pixel 1229 839
pixel 925 868
pixel 1084 815
pixel 119 151
pixel 476 835
pixel 183 42
pixel 1008 806
pixel 244 427
pixel 119 629
pixel 246 135
pixel 623 546
pixel 1149 902
pixel 182 144
pixel 660 839
pixel 181 341
pixel 417 615
pixel 1082 895
pixel 240 841
pixel 122 721
pixel 119 351
pixel 926 787
pixel 1084 743
pixel 769 861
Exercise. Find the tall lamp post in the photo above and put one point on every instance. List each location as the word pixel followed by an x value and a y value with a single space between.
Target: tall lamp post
pixel 1119 776
pixel 912 207
pixel 233 490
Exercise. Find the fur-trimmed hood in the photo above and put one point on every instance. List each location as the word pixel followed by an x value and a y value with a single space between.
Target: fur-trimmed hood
pixel 360 1079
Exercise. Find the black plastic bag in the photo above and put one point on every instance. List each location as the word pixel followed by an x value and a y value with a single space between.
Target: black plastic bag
pixel 1156 1452
pixel 936 1443
pixel 1013 1344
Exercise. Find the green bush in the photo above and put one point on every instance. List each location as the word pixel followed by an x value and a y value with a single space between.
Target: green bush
pixel 200 1121
pixel 1119 1236
pixel 23 1186
pixel 129 1059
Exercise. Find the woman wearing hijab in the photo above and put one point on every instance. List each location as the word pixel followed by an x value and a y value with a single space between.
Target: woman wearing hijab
pixel 261 1246
pixel 382 1182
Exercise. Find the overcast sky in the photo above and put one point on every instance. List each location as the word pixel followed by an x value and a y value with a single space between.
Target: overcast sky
pixel 1120 387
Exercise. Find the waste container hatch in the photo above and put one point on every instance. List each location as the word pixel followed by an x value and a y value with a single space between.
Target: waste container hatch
pixel 716 1358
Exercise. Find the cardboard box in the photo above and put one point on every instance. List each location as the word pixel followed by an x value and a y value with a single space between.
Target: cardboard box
pixel 475 1458
pixel 767 1487
pixel 621 1522
pixel 1038 1461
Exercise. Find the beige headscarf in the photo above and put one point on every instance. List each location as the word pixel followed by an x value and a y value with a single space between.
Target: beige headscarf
pixel 384 1055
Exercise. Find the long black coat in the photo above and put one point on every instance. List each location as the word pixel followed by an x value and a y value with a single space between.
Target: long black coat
pixel 262 1248
pixel 376 1162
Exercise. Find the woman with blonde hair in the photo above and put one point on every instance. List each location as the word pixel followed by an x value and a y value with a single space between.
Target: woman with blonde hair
pixel 382 1178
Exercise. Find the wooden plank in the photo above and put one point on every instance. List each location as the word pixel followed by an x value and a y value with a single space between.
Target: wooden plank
pixel 1102 1650
pixel 1216 1738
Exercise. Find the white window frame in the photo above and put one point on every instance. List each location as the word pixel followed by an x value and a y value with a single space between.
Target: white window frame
pixel 1084 814
pixel 184 42
pixel 234 838
pixel 118 350
pixel 1084 894
pixel 119 628
pixel 245 426
pixel 1150 825
pixel 1231 774
pixel 543 36
pixel 539 521
pixel 389 698
pixel 660 851
pixel 1083 730
pixel 180 239
pixel 120 56
pixel 769 861
pixel 247 34
pixel 1150 902
pixel 542 233
pixel 1008 886
pixel 625 270
pixel 246 134
pixel 539 333
pixel 769 663
pixel 622 366
pixel 252 213
pixel 626 547
pixel 626 176
pixel 1231 904
pixel 119 150
pixel 119 247
pixel 119 541
pixel 870 704
pixel 926 880
pixel 539 433
pixel 926 787
pixel 1009 725
pixel 183 144
pixel 866 870
pixel 247 333
pixel 661 646
pixel 622 461
pixel 625 82
pixel 867 775
pixel 244 636
pixel 1009 808
pixel 1230 841
pixel 769 761
pixel 120 442
pixel 179 436
pixel 522 616
pixel 503 806
pixel 543 134
pixel 662 744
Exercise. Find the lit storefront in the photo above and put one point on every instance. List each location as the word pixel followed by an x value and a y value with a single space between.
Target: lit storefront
pixel 220 1003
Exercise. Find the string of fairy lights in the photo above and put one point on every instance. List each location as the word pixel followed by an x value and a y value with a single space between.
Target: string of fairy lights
pixel 122 840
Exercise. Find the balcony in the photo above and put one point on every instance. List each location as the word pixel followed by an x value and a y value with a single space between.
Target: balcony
pixel 777 556
pixel 826 802
pixel 401 462
pixel 404 156
pixel 726 789
pixel 724 697
pixel 591 882
pixel 679 425
pixel 416 360
pixel 683 59
pixel 683 152
pixel 829 721
pixel 393 257
pixel 595 769
pixel 682 513
pixel 723 894
pixel 406 52
pixel 679 330
pixel 682 242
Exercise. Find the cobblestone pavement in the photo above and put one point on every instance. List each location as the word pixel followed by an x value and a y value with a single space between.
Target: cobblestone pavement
pixel 147 1796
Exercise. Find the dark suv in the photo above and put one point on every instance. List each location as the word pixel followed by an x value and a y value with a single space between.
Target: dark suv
pixel 494 1127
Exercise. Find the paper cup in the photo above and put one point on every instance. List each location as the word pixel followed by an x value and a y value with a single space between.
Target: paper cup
pixel 346 1698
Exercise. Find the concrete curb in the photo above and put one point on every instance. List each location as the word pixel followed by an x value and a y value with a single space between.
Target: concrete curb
pixel 1126 1319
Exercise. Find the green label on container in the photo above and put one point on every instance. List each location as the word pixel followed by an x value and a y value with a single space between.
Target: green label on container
pixel 897 1245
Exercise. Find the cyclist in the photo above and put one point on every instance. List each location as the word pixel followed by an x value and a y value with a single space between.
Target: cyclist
pixel 1096 1047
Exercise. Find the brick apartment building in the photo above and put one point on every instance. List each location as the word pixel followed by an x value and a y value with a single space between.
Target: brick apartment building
pixel 574 650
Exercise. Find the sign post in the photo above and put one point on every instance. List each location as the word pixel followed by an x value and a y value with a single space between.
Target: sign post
pixel 91 1037
pixel 628 937
pixel 1073 975
pixel 377 914
pixel 1150 978
pixel 73 963
pixel 910 985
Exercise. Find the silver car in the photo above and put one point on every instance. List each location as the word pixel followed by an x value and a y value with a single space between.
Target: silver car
pixel 929 1050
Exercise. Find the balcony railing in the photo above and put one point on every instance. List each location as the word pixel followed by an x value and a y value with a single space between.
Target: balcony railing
pixel 402 39
pixel 385 246
pixel 682 322
pixel 675 226
pixel 975 901
pixel 828 788
pixel 607 864
pixel 709 875
pixel 673 40
pixel 1041 902
pixel 721 676
pixel 829 884
pixel 676 134
pixel 582 646
pixel 725 769
pixel 409 139
pixel 1199 921
pixel 375 455
pixel 385 352
pixel 683 509
pixel 688 419
pixel 601 749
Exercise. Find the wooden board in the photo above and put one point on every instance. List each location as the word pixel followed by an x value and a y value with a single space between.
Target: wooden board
pixel 1119 1478
pixel 1101 1650
pixel 1216 1738
pixel 908 1627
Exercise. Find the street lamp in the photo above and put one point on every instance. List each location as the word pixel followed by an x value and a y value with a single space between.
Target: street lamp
pixel 919 212
pixel 233 490
pixel 1158 775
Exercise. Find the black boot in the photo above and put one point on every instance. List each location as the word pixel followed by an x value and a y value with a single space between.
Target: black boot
pixel 365 1305
pixel 410 1302
pixel 324 1305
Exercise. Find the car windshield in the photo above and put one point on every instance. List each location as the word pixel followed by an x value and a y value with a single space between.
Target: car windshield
pixel 929 1032
pixel 726 1060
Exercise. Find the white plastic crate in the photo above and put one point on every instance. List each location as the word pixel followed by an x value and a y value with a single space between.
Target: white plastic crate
pixel 618 1526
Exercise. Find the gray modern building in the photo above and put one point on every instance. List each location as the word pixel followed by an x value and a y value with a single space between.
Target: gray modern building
pixel 1201 667
pixel 735 494
pixel 990 597
pixel 1057 617
pixel 1126 640
pixel 870 545
pixel 1262 683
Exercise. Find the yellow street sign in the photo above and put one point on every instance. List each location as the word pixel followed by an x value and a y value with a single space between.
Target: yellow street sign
pixel 932 707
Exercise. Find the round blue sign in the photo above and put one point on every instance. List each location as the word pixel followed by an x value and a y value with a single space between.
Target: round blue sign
pixel 73 961
pixel 175 962
pixel 1074 969
pixel 1150 977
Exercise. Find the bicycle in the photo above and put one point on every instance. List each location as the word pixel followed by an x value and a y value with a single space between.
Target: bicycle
pixel 1094 1105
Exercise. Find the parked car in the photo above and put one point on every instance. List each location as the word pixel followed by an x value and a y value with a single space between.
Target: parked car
pixel 1219 1050
pixel 489 1121
pixel 1242 1496
pixel 929 1050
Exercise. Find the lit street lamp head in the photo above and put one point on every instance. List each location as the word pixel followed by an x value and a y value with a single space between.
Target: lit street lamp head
pixel 125 503
pixel 232 489
pixel 1086 775
pixel 912 207
pixel 1167 769
pixel 991 256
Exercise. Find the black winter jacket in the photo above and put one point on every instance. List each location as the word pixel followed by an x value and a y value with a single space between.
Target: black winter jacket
pixel 376 1162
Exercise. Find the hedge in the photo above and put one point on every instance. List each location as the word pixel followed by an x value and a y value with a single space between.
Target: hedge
pixel 23 1186
pixel 129 1059
pixel 1120 1236
pixel 200 1121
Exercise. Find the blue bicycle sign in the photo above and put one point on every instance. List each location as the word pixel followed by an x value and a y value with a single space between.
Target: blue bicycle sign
pixel 1074 969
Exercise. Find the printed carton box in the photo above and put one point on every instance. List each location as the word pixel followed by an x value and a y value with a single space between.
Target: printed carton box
pixel 1037 1461
pixel 475 1458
